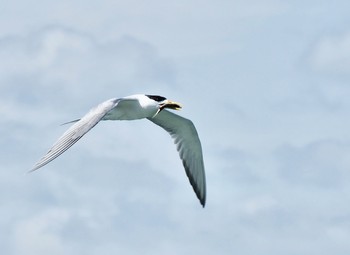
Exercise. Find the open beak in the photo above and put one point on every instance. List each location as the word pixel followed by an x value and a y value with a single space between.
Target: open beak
pixel 171 105
pixel 168 104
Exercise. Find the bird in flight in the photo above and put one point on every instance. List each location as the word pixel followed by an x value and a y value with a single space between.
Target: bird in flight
pixel 140 106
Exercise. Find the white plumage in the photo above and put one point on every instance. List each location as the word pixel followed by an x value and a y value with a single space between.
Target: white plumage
pixel 135 107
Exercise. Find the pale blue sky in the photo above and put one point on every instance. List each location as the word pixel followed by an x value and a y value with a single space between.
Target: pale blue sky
pixel 267 84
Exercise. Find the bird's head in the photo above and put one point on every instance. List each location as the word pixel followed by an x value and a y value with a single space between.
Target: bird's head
pixel 165 103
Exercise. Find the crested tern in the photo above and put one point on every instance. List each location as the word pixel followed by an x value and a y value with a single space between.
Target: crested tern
pixel 140 106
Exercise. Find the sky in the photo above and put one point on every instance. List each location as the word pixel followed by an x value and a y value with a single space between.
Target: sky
pixel 266 83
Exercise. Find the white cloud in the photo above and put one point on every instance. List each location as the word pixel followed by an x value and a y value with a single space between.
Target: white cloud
pixel 331 54
pixel 323 164
pixel 41 234
pixel 215 23
pixel 258 205
pixel 56 64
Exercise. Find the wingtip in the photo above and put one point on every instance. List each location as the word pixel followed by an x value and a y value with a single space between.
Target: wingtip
pixel 202 201
pixel 35 167
pixel 31 170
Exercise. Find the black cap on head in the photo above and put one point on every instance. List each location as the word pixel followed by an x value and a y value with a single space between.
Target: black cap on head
pixel 156 98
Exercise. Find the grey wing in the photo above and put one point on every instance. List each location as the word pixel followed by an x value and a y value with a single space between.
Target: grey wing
pixel 189 147
pixel 76 131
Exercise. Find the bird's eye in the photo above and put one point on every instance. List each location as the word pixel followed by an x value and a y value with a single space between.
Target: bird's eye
pixel 156 98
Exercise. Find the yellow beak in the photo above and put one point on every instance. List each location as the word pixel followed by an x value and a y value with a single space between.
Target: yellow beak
pixel 172 105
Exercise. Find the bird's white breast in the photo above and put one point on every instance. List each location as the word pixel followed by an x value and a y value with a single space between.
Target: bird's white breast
pixel 132 108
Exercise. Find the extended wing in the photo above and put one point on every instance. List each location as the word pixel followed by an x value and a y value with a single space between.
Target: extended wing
pixel 76 131
pixel 189 147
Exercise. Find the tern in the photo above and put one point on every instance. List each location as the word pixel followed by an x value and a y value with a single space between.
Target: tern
pixel 140 106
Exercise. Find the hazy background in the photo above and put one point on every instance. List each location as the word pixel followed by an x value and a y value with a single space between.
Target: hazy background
pixel 267 84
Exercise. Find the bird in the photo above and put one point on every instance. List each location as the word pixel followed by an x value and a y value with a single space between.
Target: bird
pixel 141 106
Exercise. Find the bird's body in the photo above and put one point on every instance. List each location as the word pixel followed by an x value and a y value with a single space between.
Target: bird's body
pixel 131 108
pixel 139 107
